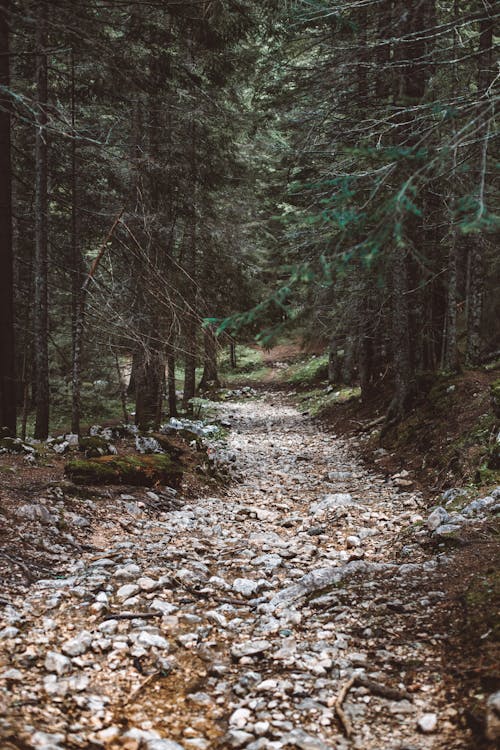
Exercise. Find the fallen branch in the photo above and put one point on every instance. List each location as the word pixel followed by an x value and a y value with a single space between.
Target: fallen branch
pixel 141 687
pixel 383 691
pixel 132 615
pixel 337 705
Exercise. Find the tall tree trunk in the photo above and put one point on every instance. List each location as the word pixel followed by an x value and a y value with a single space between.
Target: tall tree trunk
pixel 476 280
pixel 400 335
pixel 172 395
pixel 150 378
pixel 191 323
pixel 8 394
pixel 41 218
pixel 383 51
pixel 76 269
pixel 334 361
pixel 122 388
pixel 410 87
pixel 475 284
pixel 210 377
pixel 232 355
pixel 450 336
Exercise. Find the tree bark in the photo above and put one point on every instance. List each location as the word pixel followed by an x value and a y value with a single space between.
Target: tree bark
pixel 172 395
pixel 76 269
pixel 41 239
pixel 334 362
pixel 150 378
pixel 80 322
pixel 410 87
pixel 191 324
pixel 210 377
pixel 232 355
pixel 8 394
pixel 476 280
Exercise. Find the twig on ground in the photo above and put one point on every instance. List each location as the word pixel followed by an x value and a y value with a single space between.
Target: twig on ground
pixel 133 695
pixel 132 615
pixel 337 702
pixel 384 691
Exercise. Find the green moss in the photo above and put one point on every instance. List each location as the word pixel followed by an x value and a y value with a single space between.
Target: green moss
pixel 94 446
pixel 309 371
pixel 144 471
pixel 318 400
pixel 167 444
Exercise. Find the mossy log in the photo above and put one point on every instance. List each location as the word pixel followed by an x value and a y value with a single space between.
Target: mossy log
pixel 142 471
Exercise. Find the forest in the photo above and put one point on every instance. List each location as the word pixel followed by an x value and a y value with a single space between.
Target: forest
pixel 177 176
pixel 220 220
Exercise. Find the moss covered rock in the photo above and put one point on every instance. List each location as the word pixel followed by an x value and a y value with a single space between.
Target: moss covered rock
pixel 167 444
pixel 15 445
pixel 143 471
pixel 95 446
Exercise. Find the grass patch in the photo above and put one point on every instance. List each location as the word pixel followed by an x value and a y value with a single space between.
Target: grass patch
pixel 318 400
pixel 309 371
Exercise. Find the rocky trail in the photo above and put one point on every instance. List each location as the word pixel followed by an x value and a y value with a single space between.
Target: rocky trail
pixel 289 612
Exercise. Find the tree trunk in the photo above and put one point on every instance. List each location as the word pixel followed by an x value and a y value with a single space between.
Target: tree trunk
pixel 191 324
pixel 122 388
pixel 210 377
pixel 475 301
pixel 150 378
pixel 383 51
pixel 172 396
pixel 409 90
pixel 8 394
pixel 476 280
pixel 41 219
pixel 450 360
pixel 76 271
pixel 232 355
pixel 400 335
pixel 334 362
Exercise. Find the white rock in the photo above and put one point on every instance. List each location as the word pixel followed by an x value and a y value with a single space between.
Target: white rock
pixel 109 627
pixel 267 686
pixel 250 648
pixel 127 591
pixel 152 639
pixel 427 723
pixel 353 541
pixel 246 587
pixel 261 728
pixel 78 645
pixel 331 502
pixel 240 718
pixel 238 738
pixel 55 662
pixel 438 516
pixel 166 608
pixel 147 584
pixel 12 674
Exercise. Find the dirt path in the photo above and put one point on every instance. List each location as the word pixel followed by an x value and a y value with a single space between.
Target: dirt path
pixel 259 609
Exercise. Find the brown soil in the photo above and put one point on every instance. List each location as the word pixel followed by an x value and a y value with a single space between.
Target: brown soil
pixel 444 440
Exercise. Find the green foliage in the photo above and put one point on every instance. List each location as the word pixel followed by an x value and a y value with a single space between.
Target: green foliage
pixel 311 370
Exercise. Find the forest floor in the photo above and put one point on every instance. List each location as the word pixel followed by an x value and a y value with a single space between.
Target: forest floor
pixel 305 606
